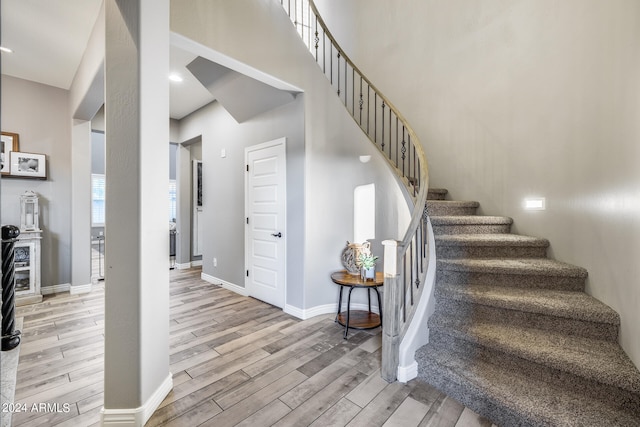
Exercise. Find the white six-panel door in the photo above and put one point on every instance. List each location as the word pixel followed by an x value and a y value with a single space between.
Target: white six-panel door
pixel 265 207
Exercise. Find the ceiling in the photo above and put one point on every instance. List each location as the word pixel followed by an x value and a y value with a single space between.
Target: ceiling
pixel 49 37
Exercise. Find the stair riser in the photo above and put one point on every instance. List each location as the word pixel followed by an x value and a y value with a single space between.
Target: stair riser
pixel 587 386
pixel 462 251
pixel 436 195
pixel 461 278
pixel 471 313
pixel 443 210
pixel 471 229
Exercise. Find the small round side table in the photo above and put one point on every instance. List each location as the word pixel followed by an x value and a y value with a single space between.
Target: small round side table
pixel 357 319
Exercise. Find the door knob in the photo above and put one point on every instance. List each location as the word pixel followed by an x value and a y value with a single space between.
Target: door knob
pixel 277 235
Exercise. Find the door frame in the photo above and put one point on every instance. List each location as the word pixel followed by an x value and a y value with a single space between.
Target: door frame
pixel 273 143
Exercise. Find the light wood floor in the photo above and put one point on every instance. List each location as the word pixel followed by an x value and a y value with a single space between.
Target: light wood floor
pixel 235 361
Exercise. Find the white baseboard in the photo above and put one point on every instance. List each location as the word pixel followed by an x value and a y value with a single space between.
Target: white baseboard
pixel 66 287
pixel 55 289
pixel 323 309
pixel 294 311
pixel 80 289
pixel 227 285
pixel 137 417
pixel 407 373
pixel 188 265
pixel 290 309
pixel 310 312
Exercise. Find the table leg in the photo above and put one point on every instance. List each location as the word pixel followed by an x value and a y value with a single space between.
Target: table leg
pixel 369 297
pixel 379 306
pixel 339 304
pixel 346 326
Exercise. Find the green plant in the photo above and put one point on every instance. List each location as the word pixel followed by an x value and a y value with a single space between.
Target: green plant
pixel 367 260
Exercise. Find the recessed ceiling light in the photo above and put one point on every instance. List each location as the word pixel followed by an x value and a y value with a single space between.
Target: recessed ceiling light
pixel 175 77
pixel 5 49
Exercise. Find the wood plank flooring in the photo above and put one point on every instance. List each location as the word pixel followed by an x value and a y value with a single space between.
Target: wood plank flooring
pixel 235 361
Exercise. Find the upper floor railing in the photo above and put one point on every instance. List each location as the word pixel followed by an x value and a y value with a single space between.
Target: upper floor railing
pixel 405 262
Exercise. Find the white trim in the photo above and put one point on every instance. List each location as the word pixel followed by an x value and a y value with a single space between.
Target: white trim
pixel 184 266
pixel 137 417
pixel 121 417
pixel 319 310
pixel 300 313
pixel 80 289
pixel 227 285
pixel 407 373
pixel 308 313
pixel 197 263
pixel 157 397
pixel 55 289
pixel 294 311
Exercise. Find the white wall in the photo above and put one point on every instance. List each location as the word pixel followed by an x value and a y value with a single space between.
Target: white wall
pixel 260 35
pixel 523 98
pixel 40 115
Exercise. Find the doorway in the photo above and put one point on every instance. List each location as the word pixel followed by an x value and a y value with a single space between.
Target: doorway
pixel 98 205
pixel 265 211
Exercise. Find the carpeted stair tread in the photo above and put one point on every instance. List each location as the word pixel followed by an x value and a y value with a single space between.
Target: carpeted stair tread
pixel 494 239
pixel 513 334
pixel 465 203
pixel 514 266
pixel 513 398
pixel 566 304
pixel 593 359
pixel 470 220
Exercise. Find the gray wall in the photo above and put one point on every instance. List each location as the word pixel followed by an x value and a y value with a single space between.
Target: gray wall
pixel 520 99
pixel 173 150
pixel 40 115
pixel 223 190
pixel 261 37
pixel 97 152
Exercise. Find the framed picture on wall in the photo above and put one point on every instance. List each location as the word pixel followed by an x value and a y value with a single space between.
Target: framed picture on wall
pixel 9 143
pixel 28 164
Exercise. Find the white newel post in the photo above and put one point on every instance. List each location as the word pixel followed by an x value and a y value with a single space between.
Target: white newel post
pixel 391 312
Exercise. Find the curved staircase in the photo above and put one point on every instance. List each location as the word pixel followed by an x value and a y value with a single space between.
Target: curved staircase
pixel 514 336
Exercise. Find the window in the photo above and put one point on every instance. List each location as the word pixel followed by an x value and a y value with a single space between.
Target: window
pixel 97 199
pixel 172 200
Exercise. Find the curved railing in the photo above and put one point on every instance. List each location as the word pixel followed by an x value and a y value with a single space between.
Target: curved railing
pixel 405 262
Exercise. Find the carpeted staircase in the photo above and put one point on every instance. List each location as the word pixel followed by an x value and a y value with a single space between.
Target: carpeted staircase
pixel 514 336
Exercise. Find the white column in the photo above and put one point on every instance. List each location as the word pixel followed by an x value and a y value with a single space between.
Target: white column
pixel 137 375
